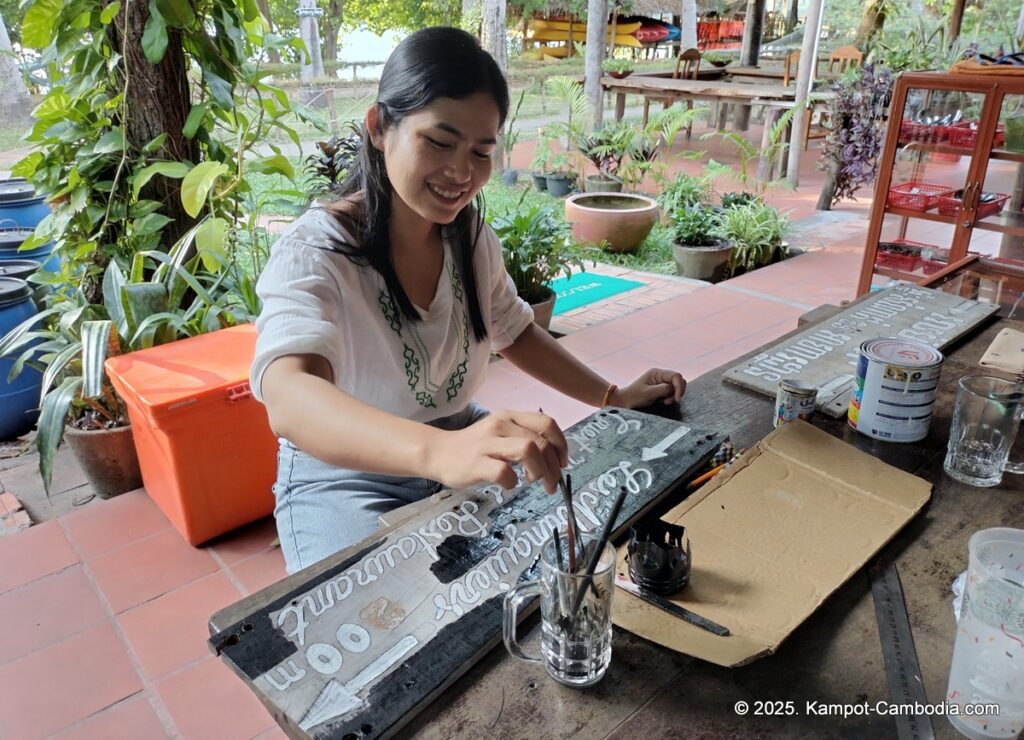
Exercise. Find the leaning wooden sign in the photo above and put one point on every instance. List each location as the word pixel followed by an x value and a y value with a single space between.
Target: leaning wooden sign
pixel 354 646
pixel 825 355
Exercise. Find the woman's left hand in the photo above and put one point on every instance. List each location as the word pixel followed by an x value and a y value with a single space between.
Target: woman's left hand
pixel 656 384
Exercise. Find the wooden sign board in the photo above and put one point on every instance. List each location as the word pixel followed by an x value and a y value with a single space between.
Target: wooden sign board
pixel 825 355
pixel 377 631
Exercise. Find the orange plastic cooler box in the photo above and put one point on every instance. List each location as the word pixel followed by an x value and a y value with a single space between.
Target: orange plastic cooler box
pixel 207 454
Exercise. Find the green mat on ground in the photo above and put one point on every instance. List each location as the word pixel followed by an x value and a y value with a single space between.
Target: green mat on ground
pixel 587 287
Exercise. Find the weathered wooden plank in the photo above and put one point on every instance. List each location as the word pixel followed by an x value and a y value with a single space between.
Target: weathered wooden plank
pixel 358 644
pixel 642 84
pixel 825 355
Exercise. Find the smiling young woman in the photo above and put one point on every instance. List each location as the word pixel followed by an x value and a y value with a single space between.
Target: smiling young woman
pixel 380 312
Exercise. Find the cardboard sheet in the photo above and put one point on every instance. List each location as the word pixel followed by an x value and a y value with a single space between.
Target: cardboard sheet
pixel 772 537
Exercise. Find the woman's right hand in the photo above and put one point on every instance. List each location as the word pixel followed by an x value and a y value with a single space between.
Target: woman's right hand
pixel 483 452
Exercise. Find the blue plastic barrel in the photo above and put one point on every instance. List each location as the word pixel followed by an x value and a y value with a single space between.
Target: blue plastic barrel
pixel 23 269
pixel 20 204
pixel 19 400
pixel 11 239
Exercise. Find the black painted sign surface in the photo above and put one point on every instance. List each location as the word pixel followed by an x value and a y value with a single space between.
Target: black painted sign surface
pixel 356 647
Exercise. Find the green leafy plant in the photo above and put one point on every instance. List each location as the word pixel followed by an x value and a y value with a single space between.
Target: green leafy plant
pixel 569 93
pixel 651 150
pixel 717 58
pixel 618 65
pixel 537 246
pixel 696 226
pixel 69 341
pixel 730 200
pixel 333 158
pixel 682 192
pixel 607 147
pixel 756 231
pixel 541 152
pixel 510 136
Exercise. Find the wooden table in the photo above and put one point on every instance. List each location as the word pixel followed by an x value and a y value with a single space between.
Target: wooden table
pixel 669 89
pixel 834 657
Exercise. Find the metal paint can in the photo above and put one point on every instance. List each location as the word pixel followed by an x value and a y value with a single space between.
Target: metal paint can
pixel 895 388
pixel 794 400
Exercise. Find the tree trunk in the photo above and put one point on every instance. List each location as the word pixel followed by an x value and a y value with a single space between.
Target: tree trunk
pixel 597 24
pixel 871 22
pixel 749 54
pixel 272 54
pixel 15 103
pixel 332 24
pixel 493 32
pixel 157 101
pixel 793 16
pixel 688 26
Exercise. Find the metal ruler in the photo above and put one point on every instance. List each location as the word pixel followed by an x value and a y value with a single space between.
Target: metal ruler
pixel 902 671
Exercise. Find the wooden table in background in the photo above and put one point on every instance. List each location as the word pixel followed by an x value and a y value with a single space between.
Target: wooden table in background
pixel 669 89
pixel 833 657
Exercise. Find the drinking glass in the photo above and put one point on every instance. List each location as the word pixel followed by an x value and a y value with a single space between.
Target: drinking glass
pixel 988 653
pixel 985 420
pixel 576 613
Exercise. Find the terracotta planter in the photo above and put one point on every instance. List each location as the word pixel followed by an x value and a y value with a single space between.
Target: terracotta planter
pixel 620 75
pixel 621 221
pixel 602 184
pixel 543 311
pixel 107 457
pixel 702 263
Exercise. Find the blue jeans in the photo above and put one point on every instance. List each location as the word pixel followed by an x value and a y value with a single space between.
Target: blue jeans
pixel 321 509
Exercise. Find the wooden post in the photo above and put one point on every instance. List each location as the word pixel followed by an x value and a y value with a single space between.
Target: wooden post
pixel 956 18
pixel 597 27
pixel 805 72
pixel 749 54
pixel 688 26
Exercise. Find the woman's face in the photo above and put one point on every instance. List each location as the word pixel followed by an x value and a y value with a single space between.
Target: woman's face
pixel 439 157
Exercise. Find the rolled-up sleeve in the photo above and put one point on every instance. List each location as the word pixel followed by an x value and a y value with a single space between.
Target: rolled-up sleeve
pixel 510 314
pixel 302 304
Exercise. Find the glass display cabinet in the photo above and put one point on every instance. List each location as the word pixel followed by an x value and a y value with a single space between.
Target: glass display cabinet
pixel 950 188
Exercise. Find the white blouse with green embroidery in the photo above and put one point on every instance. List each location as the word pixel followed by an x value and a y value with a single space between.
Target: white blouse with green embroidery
pixel 317 301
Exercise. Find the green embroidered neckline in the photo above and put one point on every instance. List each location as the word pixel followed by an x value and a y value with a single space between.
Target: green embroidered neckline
pixel 420 375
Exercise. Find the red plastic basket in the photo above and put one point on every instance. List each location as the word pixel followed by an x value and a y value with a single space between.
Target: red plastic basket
pixel 937 260
pixel 966 133
pixel 948 206
pixel 897 261
pixel 915 196
pixel 926 132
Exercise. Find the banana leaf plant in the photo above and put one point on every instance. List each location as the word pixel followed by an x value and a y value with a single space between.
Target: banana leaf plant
pixel 162 297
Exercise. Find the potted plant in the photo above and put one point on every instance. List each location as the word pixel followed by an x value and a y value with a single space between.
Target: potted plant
pixel 716 58
pixel 755 231
pixel 509 138
pixel 560 178
pixel 699 250
pixel 618 68
pixel 731 200
pixel 78 402
pixel 537 246
pixel 606 149
pixel 541 158
pixel 681 192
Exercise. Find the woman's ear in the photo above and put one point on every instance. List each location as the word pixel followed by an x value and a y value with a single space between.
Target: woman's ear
pixel 375 127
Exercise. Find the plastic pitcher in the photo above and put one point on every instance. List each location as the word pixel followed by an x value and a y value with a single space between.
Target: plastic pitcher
pixel 988 655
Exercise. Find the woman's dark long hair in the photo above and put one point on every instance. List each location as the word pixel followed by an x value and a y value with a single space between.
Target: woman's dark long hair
pixel 429 64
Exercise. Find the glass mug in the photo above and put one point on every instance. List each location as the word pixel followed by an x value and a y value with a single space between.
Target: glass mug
pixel 986 415
pixel 576 646
pixel 988 658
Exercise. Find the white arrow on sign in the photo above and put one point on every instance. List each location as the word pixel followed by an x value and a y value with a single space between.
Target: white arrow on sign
pixel 653 453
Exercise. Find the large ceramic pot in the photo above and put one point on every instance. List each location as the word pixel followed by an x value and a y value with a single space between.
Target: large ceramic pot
pixel 702 263
pixel 107 457
pixel 543 311
pixel 602 184
pixel 619 221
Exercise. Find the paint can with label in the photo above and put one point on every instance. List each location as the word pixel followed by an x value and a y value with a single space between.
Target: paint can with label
pixel 794 400
pixel 894 392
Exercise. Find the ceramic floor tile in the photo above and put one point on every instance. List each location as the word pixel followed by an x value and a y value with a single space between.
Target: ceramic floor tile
pixel 34 553
pixel 115 523
pixel 260 571
pixel 171 631
pixel 148 568
pixel 63 683
pixel 275 733
pixel 132 718
pixel 47 610
pixel 208 701
pixel 597 340
pixel 244 542
pixel 624 367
